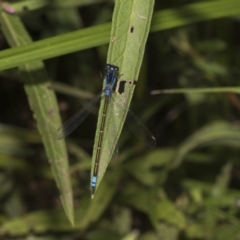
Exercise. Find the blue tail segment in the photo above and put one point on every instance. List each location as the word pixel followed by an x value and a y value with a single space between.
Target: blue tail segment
pixel 93 185
pixel 94 181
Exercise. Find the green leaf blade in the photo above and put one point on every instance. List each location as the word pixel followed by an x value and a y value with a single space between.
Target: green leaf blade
pixel 130 28
pixel 43 103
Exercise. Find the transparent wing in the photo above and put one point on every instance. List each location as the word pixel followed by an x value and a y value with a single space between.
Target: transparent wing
pixel 73 122
pixel 138 128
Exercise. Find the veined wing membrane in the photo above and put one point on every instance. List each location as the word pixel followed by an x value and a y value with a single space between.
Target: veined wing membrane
pixel 137 127
pixel 73 122
pixel 140 130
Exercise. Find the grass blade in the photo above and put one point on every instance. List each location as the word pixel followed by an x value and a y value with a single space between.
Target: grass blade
pixel 130 28
pixel 99 35
pixel 43 102
pixel 217 132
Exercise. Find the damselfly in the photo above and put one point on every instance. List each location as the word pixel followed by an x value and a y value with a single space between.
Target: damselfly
pixel 133 122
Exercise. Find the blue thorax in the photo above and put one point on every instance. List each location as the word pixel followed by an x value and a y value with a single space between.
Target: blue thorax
pixel 110 77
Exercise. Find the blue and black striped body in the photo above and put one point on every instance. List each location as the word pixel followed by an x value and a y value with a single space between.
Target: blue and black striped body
pixel 134 123
pixel 110 78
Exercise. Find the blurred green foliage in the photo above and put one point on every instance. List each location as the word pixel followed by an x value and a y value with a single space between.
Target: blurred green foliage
pixel 186 188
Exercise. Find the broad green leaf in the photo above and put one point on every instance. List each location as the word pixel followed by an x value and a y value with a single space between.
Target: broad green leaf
pixel 167 212
pixel 43 102
pixel 144 166
pixel 130 28
pixel 99 35
pixel 162 209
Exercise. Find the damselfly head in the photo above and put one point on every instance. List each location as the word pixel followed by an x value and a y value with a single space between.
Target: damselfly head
pixel 110 67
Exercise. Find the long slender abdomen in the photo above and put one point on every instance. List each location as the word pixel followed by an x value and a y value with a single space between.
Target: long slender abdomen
pixel 99 146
